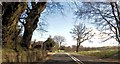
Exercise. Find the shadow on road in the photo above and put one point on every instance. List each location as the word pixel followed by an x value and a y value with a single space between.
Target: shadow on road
pixel 62 58
pixel 89 62
pixel 61 62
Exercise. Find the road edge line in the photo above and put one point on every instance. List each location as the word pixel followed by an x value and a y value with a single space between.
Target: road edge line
pixel 75 59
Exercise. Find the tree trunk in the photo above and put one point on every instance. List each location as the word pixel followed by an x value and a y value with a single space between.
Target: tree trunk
pixel 115 9
pixel 11 14
pixel 31 22
pixel 27 37
pixel 78 44
pixel 59 47
pixel 77 48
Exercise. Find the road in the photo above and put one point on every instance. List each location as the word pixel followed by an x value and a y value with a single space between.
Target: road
pixel 66 58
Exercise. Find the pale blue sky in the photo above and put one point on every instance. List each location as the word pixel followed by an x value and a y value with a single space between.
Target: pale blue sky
pixel 62 25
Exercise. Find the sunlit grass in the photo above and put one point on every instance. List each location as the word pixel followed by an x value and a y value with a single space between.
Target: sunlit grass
pixel 100 53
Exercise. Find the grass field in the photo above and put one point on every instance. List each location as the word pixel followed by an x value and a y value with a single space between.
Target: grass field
pixel 108 53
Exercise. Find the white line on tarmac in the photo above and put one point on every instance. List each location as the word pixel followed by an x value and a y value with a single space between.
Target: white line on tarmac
pixel 75 59
pixel 53 54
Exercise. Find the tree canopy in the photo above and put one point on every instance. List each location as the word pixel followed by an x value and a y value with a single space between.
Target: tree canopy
pixel 49 43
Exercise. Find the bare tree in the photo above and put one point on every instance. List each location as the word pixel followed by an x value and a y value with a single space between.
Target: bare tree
pixel 80 33
pixel 59 39
pixel 105 14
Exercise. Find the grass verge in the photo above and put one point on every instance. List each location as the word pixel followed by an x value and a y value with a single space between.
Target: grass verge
pixel 100 53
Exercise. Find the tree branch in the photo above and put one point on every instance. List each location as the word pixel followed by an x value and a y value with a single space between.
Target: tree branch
pixel 107 20
pixel 22 22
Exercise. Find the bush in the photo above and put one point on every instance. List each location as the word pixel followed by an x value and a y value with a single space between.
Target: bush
pixel 9 55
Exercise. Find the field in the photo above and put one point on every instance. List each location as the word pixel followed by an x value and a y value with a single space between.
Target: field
pixel 111 53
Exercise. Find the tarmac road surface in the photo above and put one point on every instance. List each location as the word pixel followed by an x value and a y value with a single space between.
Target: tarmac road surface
pixel 66 58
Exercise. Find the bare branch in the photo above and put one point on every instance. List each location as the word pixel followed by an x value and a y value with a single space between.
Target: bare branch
pixel 106 17
pixel 80 33
pixel 22 22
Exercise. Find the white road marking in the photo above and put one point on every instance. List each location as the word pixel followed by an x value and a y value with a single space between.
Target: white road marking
pixel 52 54
pixel 75 59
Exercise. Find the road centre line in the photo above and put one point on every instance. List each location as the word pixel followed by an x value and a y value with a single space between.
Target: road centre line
pixel 75 59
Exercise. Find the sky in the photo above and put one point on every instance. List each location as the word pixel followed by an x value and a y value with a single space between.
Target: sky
pixel 62 25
